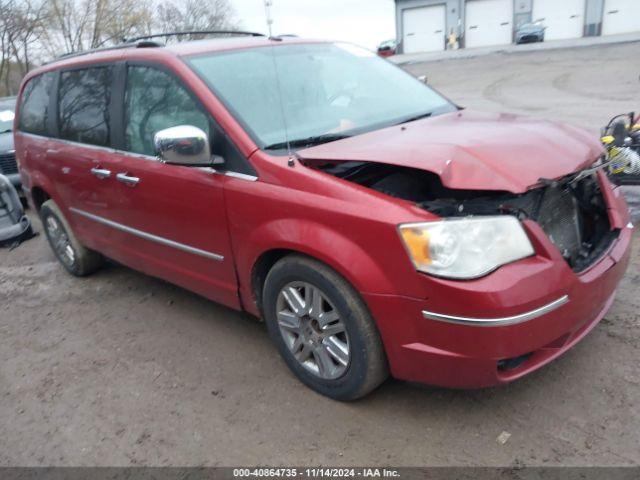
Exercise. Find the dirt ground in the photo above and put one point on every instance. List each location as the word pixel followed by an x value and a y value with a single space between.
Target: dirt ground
pixel 123 369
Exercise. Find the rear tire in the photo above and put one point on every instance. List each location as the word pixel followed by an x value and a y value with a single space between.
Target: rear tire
pixel 323 329
pixel 74 257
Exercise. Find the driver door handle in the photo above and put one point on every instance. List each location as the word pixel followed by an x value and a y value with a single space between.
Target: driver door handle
pixel 101 173
pixel 128 180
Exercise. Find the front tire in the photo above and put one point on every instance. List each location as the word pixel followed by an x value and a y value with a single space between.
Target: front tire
pixel 74 257
pixel 323 329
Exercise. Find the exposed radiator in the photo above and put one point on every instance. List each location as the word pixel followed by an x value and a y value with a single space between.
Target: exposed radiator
pixel 560 219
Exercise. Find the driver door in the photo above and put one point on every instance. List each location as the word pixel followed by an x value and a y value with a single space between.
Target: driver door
pixel 170 220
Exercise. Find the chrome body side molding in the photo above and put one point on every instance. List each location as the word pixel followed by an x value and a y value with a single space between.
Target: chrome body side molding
pixel 148 236
pixel 497 322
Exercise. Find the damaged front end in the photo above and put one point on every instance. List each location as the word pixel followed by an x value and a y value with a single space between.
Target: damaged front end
pixel 571 211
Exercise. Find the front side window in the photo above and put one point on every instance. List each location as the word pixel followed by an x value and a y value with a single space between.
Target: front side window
pixel 155 100
pixel 34 112
pixel 84 105
pixel 312 90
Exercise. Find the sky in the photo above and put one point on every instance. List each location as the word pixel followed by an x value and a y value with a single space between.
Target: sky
pixel 365 22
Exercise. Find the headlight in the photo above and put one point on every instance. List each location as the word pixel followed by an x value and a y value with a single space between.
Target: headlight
pixel 467 247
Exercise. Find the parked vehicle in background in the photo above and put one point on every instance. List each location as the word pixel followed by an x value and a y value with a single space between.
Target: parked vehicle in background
pixel 530 33
pixel 388 48
pixel 374 225
pixel 8 165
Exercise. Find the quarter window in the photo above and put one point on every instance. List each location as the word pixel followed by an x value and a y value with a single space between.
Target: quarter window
pixel 34 112
pixel 84 105
pixel 154 101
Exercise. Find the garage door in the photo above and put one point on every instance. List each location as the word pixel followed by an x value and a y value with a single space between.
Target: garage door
pixel 563 19
pixel 621 16
pixel 423 29
pixel 488 22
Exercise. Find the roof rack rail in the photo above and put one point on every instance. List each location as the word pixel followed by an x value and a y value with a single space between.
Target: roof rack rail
pixel 141 44
pixel 145 41
pixel 192 32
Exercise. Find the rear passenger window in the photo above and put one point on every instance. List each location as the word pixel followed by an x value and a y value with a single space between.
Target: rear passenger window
pixel 84 105
pixel 34 111
pixel 154 101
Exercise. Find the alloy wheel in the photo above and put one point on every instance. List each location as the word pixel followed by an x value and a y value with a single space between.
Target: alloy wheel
pixel 313 330
pixel 60 241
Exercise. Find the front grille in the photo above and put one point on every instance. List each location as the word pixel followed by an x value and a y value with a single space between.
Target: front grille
pixel 8 164
pixel 529 38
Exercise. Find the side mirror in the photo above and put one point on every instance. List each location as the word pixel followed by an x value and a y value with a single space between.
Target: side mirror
pixel 183 145
pixel 424 79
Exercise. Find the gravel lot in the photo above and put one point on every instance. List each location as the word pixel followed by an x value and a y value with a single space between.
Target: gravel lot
pixel 123 369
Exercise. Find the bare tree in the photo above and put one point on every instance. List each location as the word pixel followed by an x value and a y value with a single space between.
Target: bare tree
pixel 4 38
pixel 121 19
pixel 7 35
pixel 29 17
pixel 32 31
pixel 67 25
pixel 194 15
pixel 20 29
pixel 79 25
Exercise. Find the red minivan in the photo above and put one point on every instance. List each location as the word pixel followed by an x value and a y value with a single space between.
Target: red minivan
pixel 376 227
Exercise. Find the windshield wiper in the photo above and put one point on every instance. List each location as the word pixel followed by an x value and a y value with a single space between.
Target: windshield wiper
pixel 308 142
pixel 7 130
pixel 416 117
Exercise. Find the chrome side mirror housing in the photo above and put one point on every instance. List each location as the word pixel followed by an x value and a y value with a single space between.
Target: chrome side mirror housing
pixel 424 79
pixel 183 145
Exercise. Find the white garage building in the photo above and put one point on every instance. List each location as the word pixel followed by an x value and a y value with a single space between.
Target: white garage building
pixel 424 25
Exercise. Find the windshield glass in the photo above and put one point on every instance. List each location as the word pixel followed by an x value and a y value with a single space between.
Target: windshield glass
pixel 6 116
pixel 329 90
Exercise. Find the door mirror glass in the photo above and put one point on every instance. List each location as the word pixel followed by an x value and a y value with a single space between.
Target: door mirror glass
pixel 183 145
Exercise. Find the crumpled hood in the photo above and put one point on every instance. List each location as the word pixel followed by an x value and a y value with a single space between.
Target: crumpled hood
pixel 473 151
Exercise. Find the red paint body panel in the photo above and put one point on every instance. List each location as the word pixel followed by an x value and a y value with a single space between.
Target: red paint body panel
pixel 349 227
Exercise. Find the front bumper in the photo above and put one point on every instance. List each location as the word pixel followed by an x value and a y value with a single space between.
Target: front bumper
pixel 529 38
pixel 540 306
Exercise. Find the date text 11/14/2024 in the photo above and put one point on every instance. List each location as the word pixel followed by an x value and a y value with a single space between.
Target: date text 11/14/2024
pixel 319 472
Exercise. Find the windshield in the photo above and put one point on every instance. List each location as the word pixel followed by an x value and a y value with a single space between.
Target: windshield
pixel 6 116
pixel 328 91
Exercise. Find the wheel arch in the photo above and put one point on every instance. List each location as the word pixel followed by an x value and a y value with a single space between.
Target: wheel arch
pixel 39 195
pixel 261 267
pixel 316 241
pixel 41 189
